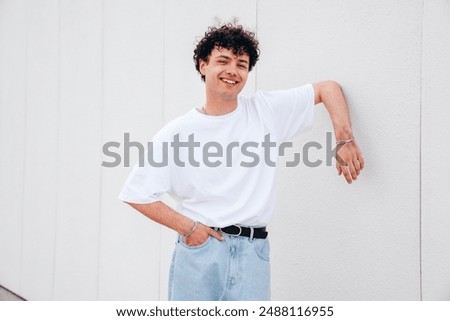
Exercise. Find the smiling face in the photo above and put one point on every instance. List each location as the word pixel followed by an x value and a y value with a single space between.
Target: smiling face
pixel 225 75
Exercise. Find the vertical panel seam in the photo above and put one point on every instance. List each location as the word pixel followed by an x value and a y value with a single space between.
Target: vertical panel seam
pixel 102 103
pixel 163 7
pixel 257 37
pixel 58 128
pixel 163 117
pixel 24 161
pixel 420 153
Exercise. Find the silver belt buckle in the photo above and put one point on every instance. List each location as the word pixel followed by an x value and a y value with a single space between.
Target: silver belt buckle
pixel 239 233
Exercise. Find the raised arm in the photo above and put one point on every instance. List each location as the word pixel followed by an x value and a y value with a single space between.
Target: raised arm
pixel 349 158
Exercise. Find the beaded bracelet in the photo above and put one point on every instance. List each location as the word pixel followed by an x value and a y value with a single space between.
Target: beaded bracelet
pixel 345 141
pixel 192 230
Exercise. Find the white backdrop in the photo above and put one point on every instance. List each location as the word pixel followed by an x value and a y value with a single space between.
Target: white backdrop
pixel 77 74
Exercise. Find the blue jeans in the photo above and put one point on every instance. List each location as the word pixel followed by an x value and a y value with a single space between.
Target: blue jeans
pixel 235 269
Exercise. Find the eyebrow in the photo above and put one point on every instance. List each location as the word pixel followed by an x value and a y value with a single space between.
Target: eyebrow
pixel 228 58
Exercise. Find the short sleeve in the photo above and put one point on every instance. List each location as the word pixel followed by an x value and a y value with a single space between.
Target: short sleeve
pixel 291 111
pixel 150 177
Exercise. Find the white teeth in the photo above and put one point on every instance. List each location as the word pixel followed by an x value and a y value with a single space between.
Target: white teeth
pixel 228 81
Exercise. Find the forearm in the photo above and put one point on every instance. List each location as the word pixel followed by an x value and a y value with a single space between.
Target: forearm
pixel 331 95
pixel 163 214
pixel 195 233
pixel 348 155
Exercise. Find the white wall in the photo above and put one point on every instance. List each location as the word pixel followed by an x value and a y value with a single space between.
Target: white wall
pixel 77 74
pixel 435 172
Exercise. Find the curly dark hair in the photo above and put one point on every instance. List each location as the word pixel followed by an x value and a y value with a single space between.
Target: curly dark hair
pixel 229 36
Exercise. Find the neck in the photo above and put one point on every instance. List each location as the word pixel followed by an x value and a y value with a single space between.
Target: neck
pixel 218 108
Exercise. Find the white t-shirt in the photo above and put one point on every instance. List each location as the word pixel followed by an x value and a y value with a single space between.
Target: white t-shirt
pixel 228 175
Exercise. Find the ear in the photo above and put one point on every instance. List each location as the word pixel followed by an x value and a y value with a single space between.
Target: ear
pixel 202 65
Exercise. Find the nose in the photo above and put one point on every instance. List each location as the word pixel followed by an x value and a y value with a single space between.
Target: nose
pixel 231 71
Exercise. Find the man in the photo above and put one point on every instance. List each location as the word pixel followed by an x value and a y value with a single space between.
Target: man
pixel 226 200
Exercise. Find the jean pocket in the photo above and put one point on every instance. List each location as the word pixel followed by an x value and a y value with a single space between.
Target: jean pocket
pixel 262 248
pixel 193 247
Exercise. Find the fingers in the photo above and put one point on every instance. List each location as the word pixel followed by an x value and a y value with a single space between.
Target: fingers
pixel 339 169
pixel 215 234
pixel 351 172
pixel 201 234
pixel 349 161
pixel 347 174
pixel 361 161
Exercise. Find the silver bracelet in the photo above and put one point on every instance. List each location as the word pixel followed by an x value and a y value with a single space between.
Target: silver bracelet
pixel 192 230
pixel 345 141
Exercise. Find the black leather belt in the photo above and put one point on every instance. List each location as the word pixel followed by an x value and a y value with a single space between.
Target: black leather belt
pixel 236 230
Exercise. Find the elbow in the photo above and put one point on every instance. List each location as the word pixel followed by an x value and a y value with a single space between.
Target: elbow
pixel 326 88
pixel 332 85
